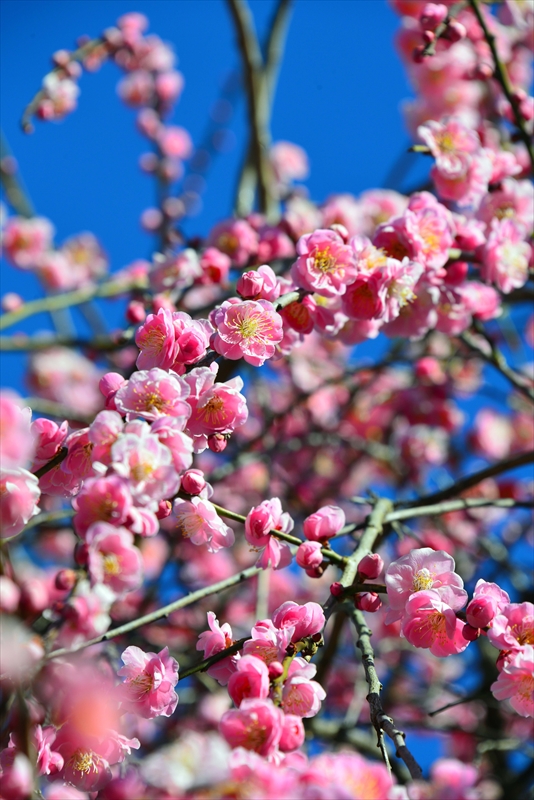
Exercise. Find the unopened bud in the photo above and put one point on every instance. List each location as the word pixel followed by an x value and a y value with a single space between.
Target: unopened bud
pixel 135 313
pixel 275 670
pixel 336 589
pixel 455 31
pixel 371 566
pixel 164 509
pixel 65 580
pixel 193 481
pixel 418 54
pixel 469 633
pixel 217 442
pixel 480 612
pixel 309 555
pixel 368 601
pixel 249 284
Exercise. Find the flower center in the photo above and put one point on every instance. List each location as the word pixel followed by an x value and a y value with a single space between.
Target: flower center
pixel 143 683
pixel 111 564
pixel 324 261
pixel 84 761
pixel 142 471
pixel 247 327
pixel 422 580
pixel 190 524
pixel 211 410
pixel 153 400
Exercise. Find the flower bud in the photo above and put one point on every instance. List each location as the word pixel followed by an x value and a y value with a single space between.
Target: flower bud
pixel 164 509
pixel 341 229
pixel 455 31
pixel 217 442
pixel 193 481
pixel 480 612
pixel 135 313
pixel 292 733
pixel 315 572
pixel 249 285
pixel 371 566
pixel 432 15
pixel 309 555
pixel 336 589
pixel 324 524
pixel 470 633
pixel 65 580
pixel 275 670
pixel 367 601
pixel 9 595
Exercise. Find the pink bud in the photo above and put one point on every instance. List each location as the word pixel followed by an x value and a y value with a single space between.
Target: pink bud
pixel 336 589
pixel 193 481
pixel 480 611
pixel 111 383
pixel 9 595
pixel 81 554
pixel 292 733
pixel 455 31
pixel 164 509
pixel 65 580
pixel 249 285
pixel 432 15
pixel 151 219
pixel 341 229
pixel 275 670
pixel 367 601
pixel 135 313
pixel 11 301
pixel 309 555
pixel 324 524
pixel 217 442
pixel 428 37
pixel 371 566
pixel 470 633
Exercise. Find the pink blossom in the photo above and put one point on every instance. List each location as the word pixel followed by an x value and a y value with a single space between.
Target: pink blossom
pixel 309 555
pixel 368 601
pixel 293 733
pixel 17 774
pixel 482 301
pixel 215 407
pixel 80 454
pixel 430 623
pixel 306 620
pixel 48 761
pixel 175 142
pixel 289 162
pixel 146 464
pixel 49 437
pixel 513 627
pixel 249 330
pixel 422 570
pixel 169 432
pixel 157 341
pixel 268 642
pixel 152 394
pixel 301 695
pixel 86 259
pixel 514 201
pixel 260 283
pixel 259 523
pixel 198 521
pixel 19 495
pixel 451 143
pixel 365 299
pixel 102 500
pixel 371 566
pixel 136 88
pixel 24 241
pixel 324 524
pixel 256 725
pixel 215 266
pixel 112 558
pixel 251 679
pixel 236 238
pixel 150 680
pixel 67 377
pixel 505 256
pixel 516 681
pixel 103 433
pixel 430 228
pixel 488 600
pixel 85 615
pixel 218 638
pixel 192 338
pixel 325 264
pixel 175 271
pixel 17 432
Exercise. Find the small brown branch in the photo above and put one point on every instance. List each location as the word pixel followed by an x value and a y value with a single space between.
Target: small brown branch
pixel 502 77
pixel 202 666
pixel 60 456
pixel 381 722
pixel 160 613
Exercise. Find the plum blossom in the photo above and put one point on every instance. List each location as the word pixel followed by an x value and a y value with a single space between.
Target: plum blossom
pixel 259 523
pixel 146 464
pixel 198 521
pixel 305 620
pixel 325 264
pixel 105 499
pixel 251 679
pixel 213 641
pixel 256 725
pixel 154 393
pixel 488 600
pixel 268 642
pixel 249 330
pixel 112 558
pixel 17 432
pixel 429 622
pixel 301 695
pixel 150 678
pixel 513 627
pixel 516 681
pixel 24 241
pixel 215 407
pixel 19 495
pixel 421 570
pixel 324 523
pixel 237 238
pixel 451 143
pixel 505 256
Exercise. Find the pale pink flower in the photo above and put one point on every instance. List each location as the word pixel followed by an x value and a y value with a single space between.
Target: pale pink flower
pixel 112 558
pixel 305 620
pixel 152 394
pixel 325 264
pixel 85 615
pixel 136 88
pixel 19 495
pixel 429 227
pixel 289 162
pixel 17 432
pixel 324 524
pixel 198 521
pixel 402 278
pixel 215 267
pixel 453 779
pixel 505 256
pixel 150 680
pixel 514 201
pixel 492 434
pixel 301 695
pixel 482 301
pixel 218 638
pixel 48 761
pixel 24 241
pixel 256 725
pixel 68 377
pixel 105 499
pixel 488 600
pixel 86 259
pixel 429 622
pixel 175 272
pixel 513 627
pixel 236 238
pixel 249 330
pixel 516 681
pixel 451 143
pixel 422 570
pixel 16 773
pixel 146 464
pixel 175 142
pixel 215 407
pixel 103 433
pixel 251 679
pixel 260 521
pixel 80 455
pixel 59 97
pixel 9 595
pixel 268 642
pixel 169 431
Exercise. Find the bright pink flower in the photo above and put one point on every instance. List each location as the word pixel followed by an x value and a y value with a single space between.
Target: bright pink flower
pixel 368 601
pixel 169 431
pixel 147 465
pixel 152 394
pixel 102 500
pixel 301 695
pixel 430 623
pixel 192 338
pixel 429 227
pixel 513 201
pixel 215 267
pixel 25 240
pixel 218 638
pixel 112 558
pixel 48 761
pixel 80 454
pixel 249 330
pixel 19 495
pixel 452 778
pixel 309 555
pixel 505 256
pixel 251 679
pixel 17 774
pixel 482 301
pixel 157 341
pixel 516 681
pixel 49 436
pixel 216 407
pixel 85 615
pixel 268 642
pixel 256 725
pixel 488 600
pixel 103 433
pixel 150 680
pixel 306 620
pixel 236 238
pixel 194 482
pixel 293 734
pixel 198 521
pixel 175 142
pixel 17 432
pixel 325 264
pixel 513 627
pixel 421 570
pixel 258 524
pixel 257 284
pixel 451 143
pixel 324 524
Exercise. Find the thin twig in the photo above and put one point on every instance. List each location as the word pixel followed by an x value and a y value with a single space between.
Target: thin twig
pixel 430 48
pixel 16 194
pixel 21 343
pixel 206 663
pixel 497 360
pixel 60 456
